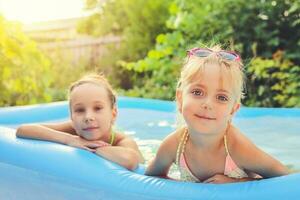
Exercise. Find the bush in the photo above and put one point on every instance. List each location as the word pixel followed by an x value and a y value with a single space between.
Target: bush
pixel 29 76
pixel 253 28
pixel 24 70
pixel 273 82
pixel 137 23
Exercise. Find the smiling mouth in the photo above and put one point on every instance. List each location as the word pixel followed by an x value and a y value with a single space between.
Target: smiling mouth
pixel 205 117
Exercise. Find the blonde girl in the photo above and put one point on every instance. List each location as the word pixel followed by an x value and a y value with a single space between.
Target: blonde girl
pixel 208 148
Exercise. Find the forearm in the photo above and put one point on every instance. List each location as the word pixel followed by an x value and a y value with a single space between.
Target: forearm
pixel 42 133
pixel 164 176
pixel 125 157
pixel 269 169
pixel 158 168
pixel 277 169
pixel 153 169
pixel 62 126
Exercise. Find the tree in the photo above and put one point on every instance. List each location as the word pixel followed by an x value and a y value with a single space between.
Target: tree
pixel 24 70
pixel 253 28
pixel 136 22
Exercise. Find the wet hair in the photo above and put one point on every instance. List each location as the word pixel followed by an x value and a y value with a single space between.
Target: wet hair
pixel 196 65
pixel 99 80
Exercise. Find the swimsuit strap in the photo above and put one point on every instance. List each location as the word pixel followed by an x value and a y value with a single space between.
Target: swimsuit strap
pixel 225 144
pixel 181 146
pixel 183 141
pixel 112 137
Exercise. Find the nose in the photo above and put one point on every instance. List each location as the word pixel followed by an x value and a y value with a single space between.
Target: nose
pixel 89 116
pixel 206 104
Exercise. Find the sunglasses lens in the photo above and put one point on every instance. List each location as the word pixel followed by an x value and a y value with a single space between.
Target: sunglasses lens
pixel 228 56
pixel 202 53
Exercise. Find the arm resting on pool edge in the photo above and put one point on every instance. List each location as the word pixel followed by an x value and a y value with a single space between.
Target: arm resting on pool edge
pixel 120 155
pixel 41 132
pixel 62 126
pixel 128 152
pixel 124 153
pixel 55 132
pixel 164 158
pixel 221 178
pixel 253 159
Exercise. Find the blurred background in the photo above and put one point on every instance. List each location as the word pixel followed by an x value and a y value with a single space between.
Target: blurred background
pixel 140 46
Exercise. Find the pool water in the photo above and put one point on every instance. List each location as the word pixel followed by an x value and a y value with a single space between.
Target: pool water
pixel 276 135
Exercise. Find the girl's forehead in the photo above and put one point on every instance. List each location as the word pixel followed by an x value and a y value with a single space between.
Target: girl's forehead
pixel 212 76
pixel 88 92
pixel 88 88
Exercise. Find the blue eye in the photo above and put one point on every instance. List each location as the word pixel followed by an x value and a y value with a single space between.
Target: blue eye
pixel 222 98
pixel 197 92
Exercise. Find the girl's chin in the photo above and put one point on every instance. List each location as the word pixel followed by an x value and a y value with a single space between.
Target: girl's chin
pixel 90 138
pixel 203 131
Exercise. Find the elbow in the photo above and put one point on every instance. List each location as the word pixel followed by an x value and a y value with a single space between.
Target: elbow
pixel 21 130
pixel 278 170
pixel 131 161
pixel 275 171
pixel 284 171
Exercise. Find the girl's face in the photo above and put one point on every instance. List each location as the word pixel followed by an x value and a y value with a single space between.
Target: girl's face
pixel 91 112
pixel 207 103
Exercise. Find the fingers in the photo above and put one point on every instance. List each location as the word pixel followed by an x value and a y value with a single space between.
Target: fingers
pixel 88 145
pixel 95 145
pixel 218 178
pixel 93 148
pixel 92 145
pixel 88 149
pixel 209 180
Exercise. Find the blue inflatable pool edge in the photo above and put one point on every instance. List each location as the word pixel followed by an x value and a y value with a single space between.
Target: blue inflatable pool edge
pixel 32 169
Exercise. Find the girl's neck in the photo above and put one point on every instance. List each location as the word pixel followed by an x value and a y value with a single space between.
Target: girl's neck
pixel 107 137
pixel 206 142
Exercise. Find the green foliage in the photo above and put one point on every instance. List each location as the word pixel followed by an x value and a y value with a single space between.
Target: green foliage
pixel 155 35
pixel 273 82
pixel 159 69
pixel 24 70
pixel 28 76
pixel 65 71
pixel 137 23
pixel 253 28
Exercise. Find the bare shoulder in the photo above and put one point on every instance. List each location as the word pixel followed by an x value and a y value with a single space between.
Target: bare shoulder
pixel 165 156
pixel 173 139
pixel 128 142
pixel 121 137
pixel 169 145
pixel 237 138
pixel 239 145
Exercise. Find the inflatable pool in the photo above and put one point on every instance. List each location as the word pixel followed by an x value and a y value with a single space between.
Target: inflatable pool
pixel 31 169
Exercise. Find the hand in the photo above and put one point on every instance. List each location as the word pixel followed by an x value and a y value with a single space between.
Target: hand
pixel 78 142
pixel 220 178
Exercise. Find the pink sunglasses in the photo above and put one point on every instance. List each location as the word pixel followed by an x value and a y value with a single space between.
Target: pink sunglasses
pixel 204 52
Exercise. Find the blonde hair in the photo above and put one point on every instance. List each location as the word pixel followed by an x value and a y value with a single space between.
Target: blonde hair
pixel 99 80
pixel 195 65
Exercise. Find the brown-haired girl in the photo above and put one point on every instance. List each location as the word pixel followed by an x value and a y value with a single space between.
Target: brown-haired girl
pixel 93 112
